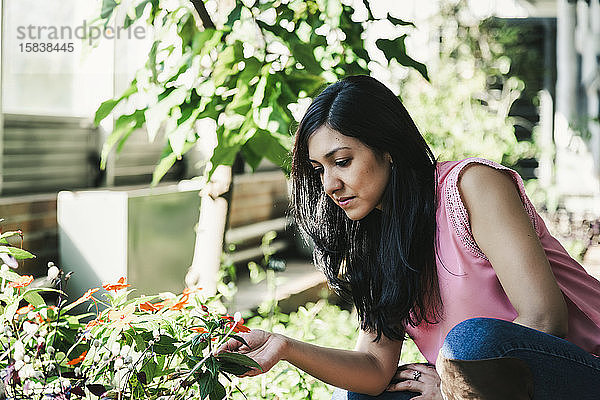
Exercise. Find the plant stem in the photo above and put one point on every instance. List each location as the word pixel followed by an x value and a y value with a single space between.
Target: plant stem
pixel 203 14
pixel 210 354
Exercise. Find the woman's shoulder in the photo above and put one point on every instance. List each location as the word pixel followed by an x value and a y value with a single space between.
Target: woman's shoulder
pixel 451 200
pixel 450 171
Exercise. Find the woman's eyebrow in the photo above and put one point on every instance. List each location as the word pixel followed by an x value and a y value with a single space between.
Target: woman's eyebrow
pixel 331 153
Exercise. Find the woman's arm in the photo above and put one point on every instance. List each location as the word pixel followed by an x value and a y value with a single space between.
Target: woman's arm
pixel 367 369
pixel 503 231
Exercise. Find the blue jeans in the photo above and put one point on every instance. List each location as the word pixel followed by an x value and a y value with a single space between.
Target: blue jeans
pixel 560 369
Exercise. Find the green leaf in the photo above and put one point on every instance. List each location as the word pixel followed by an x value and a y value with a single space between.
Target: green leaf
pixel 396 49
pixel 17 253
pixel 8 234
pixel 165 345
pixel 218 392
pixel 124 126
pixel 275 147
pixel 239 359
pixel 234 15
pixel 239 339
pixel 225 60
pixel 167 161
pixel 139 10
pixel 107 106
pixel 227 148
pixel 304 81
pixel 141 339
pixel 212 365
pixel 108 6
pixel 206 383
pixel 34 298
pixel 304 54
pixel 105 109
pixel 151 368
pixel 233 368
pixel 399 22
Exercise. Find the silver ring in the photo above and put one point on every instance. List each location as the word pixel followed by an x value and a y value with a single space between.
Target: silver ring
pixel 416 375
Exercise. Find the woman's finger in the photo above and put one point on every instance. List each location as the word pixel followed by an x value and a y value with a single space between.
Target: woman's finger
pixel 424 368
pixel 231 345
pixel 409 374
pixel 410 385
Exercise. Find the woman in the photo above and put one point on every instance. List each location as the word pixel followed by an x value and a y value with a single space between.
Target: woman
pixel 425 248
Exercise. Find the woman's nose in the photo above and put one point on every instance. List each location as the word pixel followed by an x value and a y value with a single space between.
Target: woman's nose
pixel 331 183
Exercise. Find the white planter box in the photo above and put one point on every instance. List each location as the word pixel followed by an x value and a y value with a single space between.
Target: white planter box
pixel 146 235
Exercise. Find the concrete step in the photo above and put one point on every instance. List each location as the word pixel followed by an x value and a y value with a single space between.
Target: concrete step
pixel 299 283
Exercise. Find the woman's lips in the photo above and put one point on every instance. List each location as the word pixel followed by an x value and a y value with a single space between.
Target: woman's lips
pixel 344 201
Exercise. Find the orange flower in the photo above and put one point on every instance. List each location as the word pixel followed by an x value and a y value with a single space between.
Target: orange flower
pixel 181 303
pixel 93 323
pixel 117 286
pixel 122 318
pixel 25 310
pixel 198 329
pixel 147 306
pixel 240 328
pixel 78 359
pixel 21 281
pixel 188 291
pixel 86 296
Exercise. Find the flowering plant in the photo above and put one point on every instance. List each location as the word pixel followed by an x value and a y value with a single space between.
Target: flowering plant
pixel 149 347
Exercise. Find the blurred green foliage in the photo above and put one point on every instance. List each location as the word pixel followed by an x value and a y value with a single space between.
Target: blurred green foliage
pixel 463 111
pixel 319 323
pixel 247 69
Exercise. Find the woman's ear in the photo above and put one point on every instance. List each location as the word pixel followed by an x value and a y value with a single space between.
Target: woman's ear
pixel 388 157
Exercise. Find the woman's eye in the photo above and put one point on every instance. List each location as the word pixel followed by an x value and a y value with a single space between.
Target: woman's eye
pixel 342 163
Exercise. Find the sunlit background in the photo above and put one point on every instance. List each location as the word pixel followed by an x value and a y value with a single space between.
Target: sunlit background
pixel 514 81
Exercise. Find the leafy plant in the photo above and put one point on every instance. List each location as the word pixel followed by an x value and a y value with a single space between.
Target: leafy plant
pixel 247 69
pixel 321 323
pixel 463 111
pixel 141 348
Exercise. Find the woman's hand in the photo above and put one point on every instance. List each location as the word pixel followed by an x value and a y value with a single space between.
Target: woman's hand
pixel 428 382
pixel 265 348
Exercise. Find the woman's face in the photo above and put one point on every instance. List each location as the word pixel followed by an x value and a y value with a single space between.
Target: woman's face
pixel 352 174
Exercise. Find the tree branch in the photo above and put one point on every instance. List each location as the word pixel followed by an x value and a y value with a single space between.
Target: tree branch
pixel 203 14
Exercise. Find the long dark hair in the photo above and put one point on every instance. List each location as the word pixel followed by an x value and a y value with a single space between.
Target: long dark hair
pixel 385 262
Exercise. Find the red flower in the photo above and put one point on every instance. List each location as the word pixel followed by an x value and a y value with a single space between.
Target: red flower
pixel 25 310
pixel 240 328
pixel 181 303
pixel 21 281
pixel 121 284
pixel 93 323
pixel 147 306
pixel 39 319
pixel 78 359
pixel 188 291
pixel 198 329
pixel 86 296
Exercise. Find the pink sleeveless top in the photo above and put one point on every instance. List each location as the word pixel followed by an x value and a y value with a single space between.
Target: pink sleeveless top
pixel 468 284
